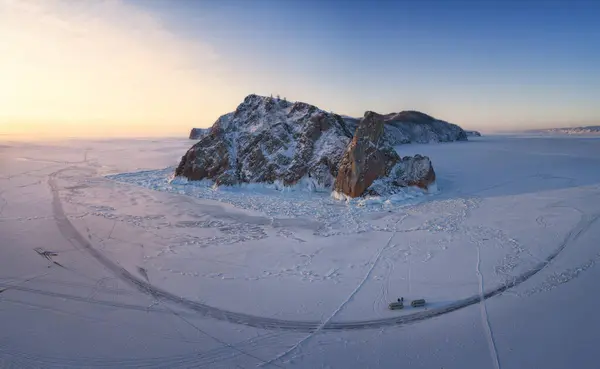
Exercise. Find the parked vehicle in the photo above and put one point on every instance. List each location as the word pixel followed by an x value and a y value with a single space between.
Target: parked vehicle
pixel 396 305
pixel 418 303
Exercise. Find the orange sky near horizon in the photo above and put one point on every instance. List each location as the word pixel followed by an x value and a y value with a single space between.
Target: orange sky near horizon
pixel 105 68
pixel 56 130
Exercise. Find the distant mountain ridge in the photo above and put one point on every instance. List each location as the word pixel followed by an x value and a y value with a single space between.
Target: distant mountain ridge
pixel 593 130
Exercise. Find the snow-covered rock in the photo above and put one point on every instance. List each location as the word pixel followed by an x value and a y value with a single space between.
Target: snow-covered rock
pixel 370 160
pixel 351 122
pixel 198 133
pixel 415 127
pixel 473 133
pixel 269 140
pixel 409 171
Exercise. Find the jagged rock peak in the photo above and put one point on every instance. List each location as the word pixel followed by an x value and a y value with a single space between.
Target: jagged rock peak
pixel 267 140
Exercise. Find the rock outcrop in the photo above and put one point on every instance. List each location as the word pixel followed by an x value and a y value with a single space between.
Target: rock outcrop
pixel 415 127
pixel 268 140
pixel 367 158
pixel 473 134
pixel 370 165
pixel 198 133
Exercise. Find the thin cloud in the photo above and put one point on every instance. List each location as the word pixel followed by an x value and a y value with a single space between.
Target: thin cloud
pixel 102 62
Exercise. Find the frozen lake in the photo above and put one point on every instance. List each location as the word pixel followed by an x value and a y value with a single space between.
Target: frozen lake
pixel 106 263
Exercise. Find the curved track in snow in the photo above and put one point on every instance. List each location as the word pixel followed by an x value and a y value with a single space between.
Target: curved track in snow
pixel 69 231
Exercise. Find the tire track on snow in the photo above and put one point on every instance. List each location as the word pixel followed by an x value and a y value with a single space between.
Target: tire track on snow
pixel 70 233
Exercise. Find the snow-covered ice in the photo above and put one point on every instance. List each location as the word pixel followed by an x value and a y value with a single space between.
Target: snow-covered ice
pixel 108 262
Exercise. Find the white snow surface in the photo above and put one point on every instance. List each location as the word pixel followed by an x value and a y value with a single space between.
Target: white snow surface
pixel 307 198
pixel 107 263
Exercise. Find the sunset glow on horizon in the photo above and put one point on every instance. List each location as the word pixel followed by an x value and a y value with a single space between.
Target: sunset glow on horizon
pixel 106 69
pixel 158 68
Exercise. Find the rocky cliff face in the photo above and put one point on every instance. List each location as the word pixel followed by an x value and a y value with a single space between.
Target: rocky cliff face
pixel 268 140
pixel 370 165
pixel 366 159
pixel 473 134
pixel 415 127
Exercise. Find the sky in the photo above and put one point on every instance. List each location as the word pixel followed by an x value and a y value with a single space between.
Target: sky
pixel 160 67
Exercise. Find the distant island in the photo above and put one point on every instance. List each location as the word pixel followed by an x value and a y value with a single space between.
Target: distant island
pixel 275 141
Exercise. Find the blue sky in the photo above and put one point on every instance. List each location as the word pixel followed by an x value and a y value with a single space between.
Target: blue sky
pixel 486 63
pixel 120 67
